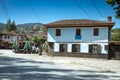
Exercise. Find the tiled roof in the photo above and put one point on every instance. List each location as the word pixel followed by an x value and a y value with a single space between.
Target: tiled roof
pixel 11 33
pixel 80 23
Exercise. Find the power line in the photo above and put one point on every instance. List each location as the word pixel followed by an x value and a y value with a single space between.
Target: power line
pixel 33 10
pixel 5 8
pixel 97 8
pixel 82 8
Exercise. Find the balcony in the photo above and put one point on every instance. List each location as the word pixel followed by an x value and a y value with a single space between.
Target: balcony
pixel 78 37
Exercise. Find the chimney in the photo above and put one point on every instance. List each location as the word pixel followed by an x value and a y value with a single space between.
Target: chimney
pixel 109 19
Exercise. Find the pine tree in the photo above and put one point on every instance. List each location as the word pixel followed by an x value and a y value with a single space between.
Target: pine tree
pixel 116 5
pixel 10 26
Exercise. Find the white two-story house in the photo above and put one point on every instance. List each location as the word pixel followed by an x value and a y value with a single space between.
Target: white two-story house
pixel 7 39
pixel 79 37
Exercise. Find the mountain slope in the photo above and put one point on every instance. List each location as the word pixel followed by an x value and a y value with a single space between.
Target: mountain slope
pixel 24 26
pixel 2 25
pixel 29 24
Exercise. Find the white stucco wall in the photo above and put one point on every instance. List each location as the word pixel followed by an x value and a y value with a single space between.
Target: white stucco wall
pixel 11 39
pixel 68 35
pixel 84 47
pixel 7 39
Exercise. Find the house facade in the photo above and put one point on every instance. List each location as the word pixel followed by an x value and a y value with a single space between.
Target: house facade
pixel 7 38
pixel 83 38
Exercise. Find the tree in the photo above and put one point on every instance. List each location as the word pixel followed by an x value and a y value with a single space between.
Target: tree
pixel 116 34
pixel 14 26
pixel 27 46
pixel 39 41
pixel 43 29
pixel 0 28
pixel 36 27
pixel 21 30
pixel 116 5
pixel 10 26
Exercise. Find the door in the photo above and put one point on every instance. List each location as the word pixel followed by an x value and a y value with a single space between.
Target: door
pixel 50 48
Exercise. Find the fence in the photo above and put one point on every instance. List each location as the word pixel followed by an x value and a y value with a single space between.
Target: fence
pixel 114 50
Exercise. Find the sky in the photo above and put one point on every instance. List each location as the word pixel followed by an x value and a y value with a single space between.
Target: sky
pixel 46 11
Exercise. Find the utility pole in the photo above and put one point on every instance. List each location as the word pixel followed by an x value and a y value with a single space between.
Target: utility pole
pixel 17 39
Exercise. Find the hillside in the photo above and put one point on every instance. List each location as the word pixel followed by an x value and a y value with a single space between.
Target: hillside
pixel 29 25
pixel 25 26
pixel 2 25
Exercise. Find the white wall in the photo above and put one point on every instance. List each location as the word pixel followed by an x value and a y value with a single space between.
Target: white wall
pixel 84 47
pixel 11 39
pixel 68 35
pixel 7 39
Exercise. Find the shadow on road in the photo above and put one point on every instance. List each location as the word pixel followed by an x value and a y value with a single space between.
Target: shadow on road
pixel 22 69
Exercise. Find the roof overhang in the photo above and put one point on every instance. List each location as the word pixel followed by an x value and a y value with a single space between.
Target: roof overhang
pixel 110 25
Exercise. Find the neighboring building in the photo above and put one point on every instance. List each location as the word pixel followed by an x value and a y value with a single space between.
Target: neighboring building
pixel 39 33
pixel 7 38
pixel 82 37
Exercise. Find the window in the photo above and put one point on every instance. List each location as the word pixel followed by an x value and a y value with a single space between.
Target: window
pixel 8 37
pixel 58 32
pixel 78 32
pixel 96 32
pixel 21 37
pixel 75 47
pixel 5 37
pixel 63 48
pixel 106 47
pixel 94 48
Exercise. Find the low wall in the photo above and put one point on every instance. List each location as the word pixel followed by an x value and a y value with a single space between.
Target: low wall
pixel 117 55
pixel 84 55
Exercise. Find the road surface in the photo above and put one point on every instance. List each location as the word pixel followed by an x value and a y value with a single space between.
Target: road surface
pixel 24 67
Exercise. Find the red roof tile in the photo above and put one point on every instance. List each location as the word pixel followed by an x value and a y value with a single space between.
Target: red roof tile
pixel 80 23
pixel 11 33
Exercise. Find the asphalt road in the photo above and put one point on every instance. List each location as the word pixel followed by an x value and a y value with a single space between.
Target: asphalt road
pixel 14 68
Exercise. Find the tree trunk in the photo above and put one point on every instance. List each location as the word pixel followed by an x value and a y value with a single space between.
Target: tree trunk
pixel 40 49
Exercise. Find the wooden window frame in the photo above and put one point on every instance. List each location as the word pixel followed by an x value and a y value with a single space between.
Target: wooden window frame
pixel 78 32
pixel 94 48
pixel 96 31
pixel 77 50
pixel 63 48
pixel 58 32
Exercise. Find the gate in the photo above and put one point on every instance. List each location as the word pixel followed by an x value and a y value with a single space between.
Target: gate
pixel 114 50
pixel 50 48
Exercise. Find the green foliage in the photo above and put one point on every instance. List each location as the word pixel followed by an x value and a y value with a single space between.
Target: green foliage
pixel 10 26
pixel 21 30
pixel 116 34
pixel 30 26
pixel 14 46
pixel 43 29
pixel 27 46
pixel 36 27
pixel 38 40
pixel 0 29
pixel 116 5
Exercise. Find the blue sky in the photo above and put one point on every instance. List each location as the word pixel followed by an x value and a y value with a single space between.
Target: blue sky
pixel 46 11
